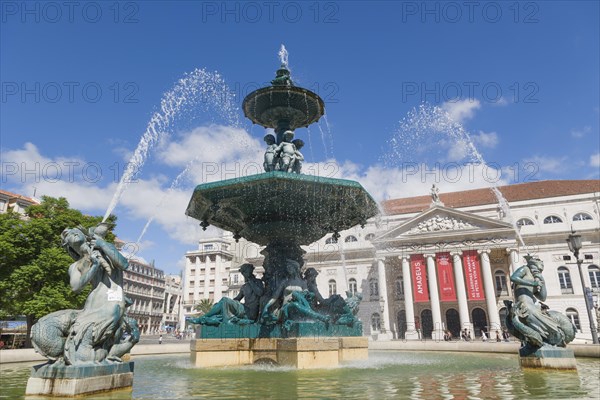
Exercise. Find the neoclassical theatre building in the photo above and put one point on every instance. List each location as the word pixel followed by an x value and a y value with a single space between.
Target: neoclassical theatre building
pixel 443 261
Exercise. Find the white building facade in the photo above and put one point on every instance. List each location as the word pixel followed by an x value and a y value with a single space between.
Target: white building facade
pixel 428 266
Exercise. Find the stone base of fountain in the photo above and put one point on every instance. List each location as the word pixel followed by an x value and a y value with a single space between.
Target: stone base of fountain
pixel 548 357
pixel 70 381
pixel 300 352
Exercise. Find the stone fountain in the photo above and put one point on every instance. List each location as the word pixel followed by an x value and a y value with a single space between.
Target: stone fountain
pixel 283 318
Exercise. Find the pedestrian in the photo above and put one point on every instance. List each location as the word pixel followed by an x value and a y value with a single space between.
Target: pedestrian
pixel 505 335
pixel 498 336
pixel 447 336
pixel 160 339
pixel 469 337
pixel 484 337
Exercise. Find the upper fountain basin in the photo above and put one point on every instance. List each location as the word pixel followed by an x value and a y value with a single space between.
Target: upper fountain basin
pixel 282 206
pixel 298 106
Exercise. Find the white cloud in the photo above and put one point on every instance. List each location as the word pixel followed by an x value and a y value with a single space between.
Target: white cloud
pixel 461 110
pixel 595 160
pixel 223 148
pixel 483 139
pixel 548 164
pixel 579 133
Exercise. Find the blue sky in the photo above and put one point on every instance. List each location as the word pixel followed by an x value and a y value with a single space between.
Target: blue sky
pixel 81 80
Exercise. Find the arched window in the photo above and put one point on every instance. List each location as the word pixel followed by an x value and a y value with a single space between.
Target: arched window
pixel 370 236
pixel 564 278
pixel 332 287
pixel 399 288
pixel 524 221
pixel 573 315
pixel 375 322
pixel 352 286
pixel 582 217
pixel 374 287
pixel 594 272
pixel 330 240
pixel 552 219
pixel 350 239
pixel 501 286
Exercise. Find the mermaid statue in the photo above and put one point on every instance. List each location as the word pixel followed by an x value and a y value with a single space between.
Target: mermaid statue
pixel 100 332
pixel 529 319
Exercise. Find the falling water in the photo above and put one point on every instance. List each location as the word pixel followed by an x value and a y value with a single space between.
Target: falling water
pixel 417 127
pixel 174 185
pixel 283 55
pixel 199 89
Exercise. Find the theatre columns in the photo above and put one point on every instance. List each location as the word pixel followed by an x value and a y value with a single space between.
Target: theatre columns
pixel 409 308
pixel 386 333
pixel 488 287
pixel 436 313
pixel 461 291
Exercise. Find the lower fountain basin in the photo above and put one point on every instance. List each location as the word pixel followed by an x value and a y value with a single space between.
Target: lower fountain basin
pixel 282 206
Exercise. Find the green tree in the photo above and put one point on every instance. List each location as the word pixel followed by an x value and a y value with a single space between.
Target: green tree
pixel 34 278
pixel 203 306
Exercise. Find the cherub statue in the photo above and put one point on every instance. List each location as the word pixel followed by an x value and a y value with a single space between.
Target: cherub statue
pixel 298 157
pixel 270 155
pixel 286 152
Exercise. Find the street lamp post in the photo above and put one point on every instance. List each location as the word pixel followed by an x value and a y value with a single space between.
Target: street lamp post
pixel 575 243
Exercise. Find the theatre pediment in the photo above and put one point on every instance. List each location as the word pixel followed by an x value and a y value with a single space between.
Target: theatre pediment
pixel 441 221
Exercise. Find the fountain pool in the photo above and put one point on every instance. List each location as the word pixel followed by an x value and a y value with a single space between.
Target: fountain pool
pixel 387 374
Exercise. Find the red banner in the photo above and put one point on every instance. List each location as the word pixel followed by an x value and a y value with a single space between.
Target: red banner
pixel 473 275
pixel 419 278
pixel 445 277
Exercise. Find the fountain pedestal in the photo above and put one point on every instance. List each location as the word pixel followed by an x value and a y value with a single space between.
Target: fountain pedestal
pixel 70 381
pixel 547 357
pixel 300 352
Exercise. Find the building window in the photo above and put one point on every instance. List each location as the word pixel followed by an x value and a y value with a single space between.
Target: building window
pixel 370 236
pixel 352 287
pixel 552 219
pixel 400 288
pixel 330 240
pixel 208 247
pixel 332 287
pixel 573 315
pixel 375 322
pixel 350 239
pixel 524 221
pixel 501 286
pixel 374 287
pixel 594 272
pixel 582 217
pixel 564 278
pixel 235 278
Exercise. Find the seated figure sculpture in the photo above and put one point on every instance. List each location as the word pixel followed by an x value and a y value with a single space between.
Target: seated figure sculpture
pixel 295 300
pixel 528 318
pixel 342 312
pixel 94 334
pixel 232 310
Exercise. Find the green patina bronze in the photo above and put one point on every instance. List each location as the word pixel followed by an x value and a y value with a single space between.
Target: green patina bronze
pixel 100 333
pixel 529 319
pixel 280 205
pixel 282 209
